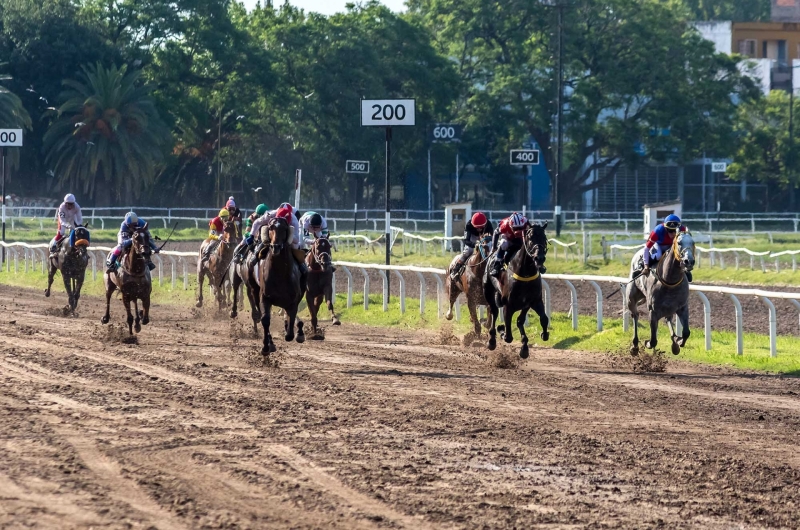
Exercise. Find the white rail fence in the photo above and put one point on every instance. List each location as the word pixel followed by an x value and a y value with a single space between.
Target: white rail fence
pixel 33 253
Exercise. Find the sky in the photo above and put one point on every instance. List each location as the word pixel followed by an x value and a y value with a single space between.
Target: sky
pixel 326 7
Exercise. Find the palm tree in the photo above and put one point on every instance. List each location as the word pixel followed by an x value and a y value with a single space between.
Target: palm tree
pixel 108 136
pixel 12 116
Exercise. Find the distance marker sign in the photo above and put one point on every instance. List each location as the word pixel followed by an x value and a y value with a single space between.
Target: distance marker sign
pixel 524 157
pixel 388 112
pixel 10 137
pixel 445 132
pixel 357 166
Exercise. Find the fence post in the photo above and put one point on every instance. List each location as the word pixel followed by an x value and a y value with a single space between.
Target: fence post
pixel 773 339
pixel 349 286
pixel 366 288
pixel 422 292
pixel 439 291
pixel 706 318
pixel 386 295
pixel 739 325
pixel 573 304
pixel 796 304
pixel 402 291
pixel 546 287
pixel 599 292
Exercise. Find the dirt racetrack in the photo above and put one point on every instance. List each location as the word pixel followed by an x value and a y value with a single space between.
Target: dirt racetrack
pixel 371 428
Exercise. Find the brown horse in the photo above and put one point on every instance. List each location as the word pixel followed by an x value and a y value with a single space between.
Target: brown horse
pixel 518 289
pixel 71 260
pixel 132 278
pixel 470 282
pixel 215 265
pixel 243 274
pixel 320 280
pixel 279 283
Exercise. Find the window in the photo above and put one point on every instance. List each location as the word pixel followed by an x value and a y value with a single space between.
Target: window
pixel 747 47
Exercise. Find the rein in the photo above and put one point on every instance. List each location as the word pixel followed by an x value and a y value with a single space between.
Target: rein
pixel 676 253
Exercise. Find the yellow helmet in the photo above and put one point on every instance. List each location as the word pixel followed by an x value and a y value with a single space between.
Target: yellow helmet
pixel 224 213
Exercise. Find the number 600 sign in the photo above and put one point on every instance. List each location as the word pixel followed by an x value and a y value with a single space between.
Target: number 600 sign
pixel 387 112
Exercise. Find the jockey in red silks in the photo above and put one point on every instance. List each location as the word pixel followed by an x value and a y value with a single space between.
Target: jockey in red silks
pixel 661 239
pixel 508 240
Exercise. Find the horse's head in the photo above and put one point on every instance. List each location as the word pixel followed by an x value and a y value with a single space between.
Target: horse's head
pixel 81 237
pixel 322 252
pixel 684 249
pixel 278 233
pixel 535 241
pixel 229 229
pixel 141 242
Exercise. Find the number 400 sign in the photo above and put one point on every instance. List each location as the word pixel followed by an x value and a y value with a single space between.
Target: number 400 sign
pixel 387 112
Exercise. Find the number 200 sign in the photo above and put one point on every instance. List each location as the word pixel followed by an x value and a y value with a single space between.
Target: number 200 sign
pixel 387 112
pixel 10 137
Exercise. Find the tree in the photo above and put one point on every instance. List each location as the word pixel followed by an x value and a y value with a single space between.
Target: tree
pixel 735 10
pixel 635 72
pixel 108 137
pixel 764 151
pixel 12 116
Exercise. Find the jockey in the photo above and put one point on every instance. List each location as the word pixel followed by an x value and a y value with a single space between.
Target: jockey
pixel 243 247
pixel 235 215
pixel 476 228
pixel 68 216
pixel 507 240
pixel 661 239
pixel 314 226
pixel 124 241
pixel 216 231
pixel 286 211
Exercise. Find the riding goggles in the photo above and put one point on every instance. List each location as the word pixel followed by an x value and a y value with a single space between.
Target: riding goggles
pixel 672 225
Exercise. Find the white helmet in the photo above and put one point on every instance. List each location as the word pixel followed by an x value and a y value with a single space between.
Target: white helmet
pixel 518 221
pixel 69 198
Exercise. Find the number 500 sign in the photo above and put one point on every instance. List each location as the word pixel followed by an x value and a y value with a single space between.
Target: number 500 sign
pixel 387 112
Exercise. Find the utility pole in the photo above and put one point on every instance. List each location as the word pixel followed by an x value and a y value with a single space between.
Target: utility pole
pixel 560 127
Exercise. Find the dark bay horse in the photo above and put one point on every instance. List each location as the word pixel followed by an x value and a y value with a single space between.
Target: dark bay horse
pixel 320 280
pixel 470 282
pixel 666 291
pixel 243 274
pixel 71 260
pixel 279 284
pixel 518 289
pixel 215 265
pixel 132 278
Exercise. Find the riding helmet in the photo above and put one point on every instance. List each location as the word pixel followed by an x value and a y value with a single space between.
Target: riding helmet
pixel 672 222
pixel 518 221
pixel 231 203
pixel 131 219
pixel 316 220
pixel 69 198
pixel 479 220
pixel 261 209
pixel 224 213
pixel 285 213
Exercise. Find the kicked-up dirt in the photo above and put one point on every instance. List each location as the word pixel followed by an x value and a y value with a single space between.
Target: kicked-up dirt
pixel 372 428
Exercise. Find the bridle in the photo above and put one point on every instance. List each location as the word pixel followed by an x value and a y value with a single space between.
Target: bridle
pixel 318 255
pixel 676 253
pixel 534 250
pixel 276 247
pixel 484 241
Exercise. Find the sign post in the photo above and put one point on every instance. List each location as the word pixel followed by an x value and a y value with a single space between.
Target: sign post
pixel 719 167
pixel 442 133
pixel 298 180
pixel 388 113
pixel 8 138
pixel 526 157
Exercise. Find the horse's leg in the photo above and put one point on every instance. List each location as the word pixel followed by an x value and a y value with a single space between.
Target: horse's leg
pixel 521 318
pixel 237 282
pixel 538 307
pixel 301 336
pixel 68 287
pixel 473 316
pixel 452 295
pixel 488 293
pixel 329 299
pixel 146 309
pixel 289 319
pixel 137 327
pixel 127 303
pixel 508 314
pixel 78 287
pixel 653 342
pixel 633 309
pixel 269 346
pixel 255 312
pixel 201 274
pixel 313 304
pixel 110 288
pixel 683 316
pixel 51 273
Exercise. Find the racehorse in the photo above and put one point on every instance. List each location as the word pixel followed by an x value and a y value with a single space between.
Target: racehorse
pixel 132 278
pixel 71 260
pixel 215 265
pixel 279 283
pixel 518 289
pixel 243 274
pixel 320 280
pixel 666 291
pixel 470 282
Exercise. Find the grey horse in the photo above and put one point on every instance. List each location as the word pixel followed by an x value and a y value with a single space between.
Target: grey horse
pixel 666 291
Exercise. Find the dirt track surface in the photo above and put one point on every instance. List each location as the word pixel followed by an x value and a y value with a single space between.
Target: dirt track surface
pixel 371 428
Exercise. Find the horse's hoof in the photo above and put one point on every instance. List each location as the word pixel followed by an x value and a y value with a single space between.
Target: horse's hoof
pixel 634 350
pixel 492 344
pixel 545 335
pixel 137 328
pixel 523 352
pixel 289 337
pixel 676 349
pixel 508 338
pixel 145 321
pixel 650 345
pixel 301 338
pixel 104 320
pixel 199 303
pixel 449 315
pixel 336 322
pixel 47 293
pixel 501 328
pixel 233 313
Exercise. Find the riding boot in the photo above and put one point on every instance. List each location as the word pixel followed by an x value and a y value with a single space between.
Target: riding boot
pixel 259 249
pixel 542 269
pixel 151 265
pixel 111 264
pixel 499 261
pixel 689 276
pixel 459 267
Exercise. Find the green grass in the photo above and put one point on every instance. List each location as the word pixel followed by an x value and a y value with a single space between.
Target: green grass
pixel 611 340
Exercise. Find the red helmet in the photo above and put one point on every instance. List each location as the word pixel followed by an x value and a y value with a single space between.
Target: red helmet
pixel 479 220
pixel 285 213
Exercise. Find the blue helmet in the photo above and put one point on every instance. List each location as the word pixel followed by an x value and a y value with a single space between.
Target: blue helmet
pixel 672 222
pixel 131 219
